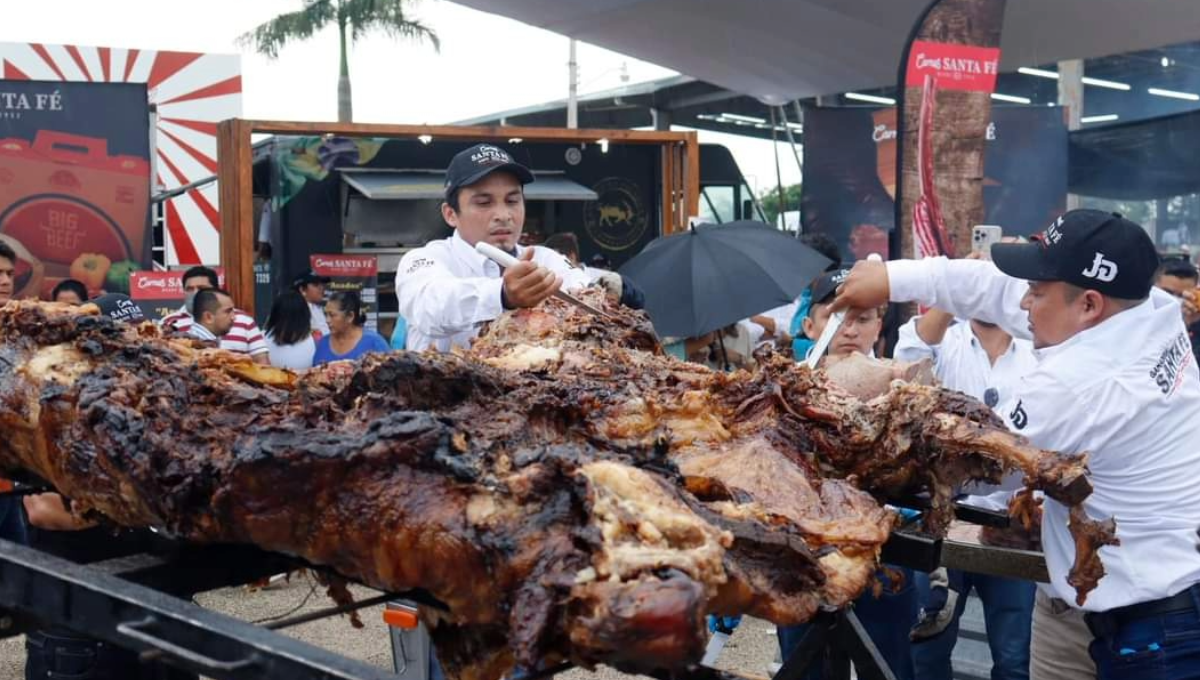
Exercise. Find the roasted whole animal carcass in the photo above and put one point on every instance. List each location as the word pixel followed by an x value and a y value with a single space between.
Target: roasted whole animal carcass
pixel 568 492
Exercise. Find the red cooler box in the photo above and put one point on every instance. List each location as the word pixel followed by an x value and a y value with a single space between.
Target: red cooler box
pixel 76 210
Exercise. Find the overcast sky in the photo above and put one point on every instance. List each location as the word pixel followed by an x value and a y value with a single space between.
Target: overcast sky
pixel 487 63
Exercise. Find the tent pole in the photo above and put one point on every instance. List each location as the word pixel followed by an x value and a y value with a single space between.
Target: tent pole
pixel 778 171
pixel 791 139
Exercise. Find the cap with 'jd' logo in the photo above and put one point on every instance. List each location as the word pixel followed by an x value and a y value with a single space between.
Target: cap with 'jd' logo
pixel 1091 249
pixel 470 166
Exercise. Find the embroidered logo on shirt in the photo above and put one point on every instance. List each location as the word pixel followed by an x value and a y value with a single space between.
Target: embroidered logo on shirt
pixel 1168 372
pixel 1018 417
pixel 419 263
pixel 1101 269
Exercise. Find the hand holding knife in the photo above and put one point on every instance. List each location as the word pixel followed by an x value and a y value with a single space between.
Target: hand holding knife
pixel 831 329
pixel 506 260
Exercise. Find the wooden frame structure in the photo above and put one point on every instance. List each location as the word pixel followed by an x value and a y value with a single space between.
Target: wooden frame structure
pixel 680 174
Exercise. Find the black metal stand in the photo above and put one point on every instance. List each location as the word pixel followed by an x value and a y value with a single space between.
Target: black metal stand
pixel 105 601
pixel 833 642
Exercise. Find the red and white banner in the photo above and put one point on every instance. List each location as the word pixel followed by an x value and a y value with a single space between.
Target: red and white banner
pixel 160 294
pixel 954 67
pixel 358 273
pixel 355 266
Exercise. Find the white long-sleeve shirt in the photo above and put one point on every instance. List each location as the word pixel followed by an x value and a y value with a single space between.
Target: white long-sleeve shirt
pixel 1127 392
pixel 961 363
pixel 447 290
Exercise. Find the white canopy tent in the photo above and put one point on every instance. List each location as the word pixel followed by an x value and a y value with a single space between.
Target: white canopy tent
pixel 779 50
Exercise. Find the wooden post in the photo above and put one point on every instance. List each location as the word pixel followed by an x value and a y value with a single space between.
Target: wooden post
pixel 235 172
pixel 692 188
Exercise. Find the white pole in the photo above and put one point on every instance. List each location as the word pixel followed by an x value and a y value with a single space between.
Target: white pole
pixel 573 90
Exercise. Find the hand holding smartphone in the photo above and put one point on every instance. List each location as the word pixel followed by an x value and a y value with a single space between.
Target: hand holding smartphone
pixel 983 236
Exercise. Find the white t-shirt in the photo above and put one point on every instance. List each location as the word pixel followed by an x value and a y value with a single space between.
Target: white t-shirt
pixel 297 356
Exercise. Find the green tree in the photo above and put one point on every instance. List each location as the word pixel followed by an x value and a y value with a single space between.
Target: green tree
pixel 353 19
pixel 769 199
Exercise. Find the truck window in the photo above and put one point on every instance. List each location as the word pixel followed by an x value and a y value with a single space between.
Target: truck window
pixel 718 203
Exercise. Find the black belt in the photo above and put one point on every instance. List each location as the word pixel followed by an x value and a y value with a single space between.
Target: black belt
pixel 1103 624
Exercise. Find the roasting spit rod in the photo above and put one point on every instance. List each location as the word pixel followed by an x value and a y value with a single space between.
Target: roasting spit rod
pixel 503 259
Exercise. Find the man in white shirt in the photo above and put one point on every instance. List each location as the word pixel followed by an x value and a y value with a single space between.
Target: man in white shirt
pixel 312 288
pixel 1115 378
pixel 447 291
pixel 977 358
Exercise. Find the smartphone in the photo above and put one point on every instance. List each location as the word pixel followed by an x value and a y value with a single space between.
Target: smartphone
pixel 983 236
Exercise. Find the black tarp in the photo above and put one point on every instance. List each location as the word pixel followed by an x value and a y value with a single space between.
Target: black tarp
pixel 1141 160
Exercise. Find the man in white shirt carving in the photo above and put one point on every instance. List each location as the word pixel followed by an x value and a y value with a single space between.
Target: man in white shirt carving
pixel 1115 378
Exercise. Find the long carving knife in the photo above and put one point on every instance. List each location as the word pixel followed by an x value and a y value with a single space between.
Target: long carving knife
pixel 505 260
pixel 831 329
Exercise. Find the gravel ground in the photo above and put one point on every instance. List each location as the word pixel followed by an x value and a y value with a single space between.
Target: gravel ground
pixel 748 652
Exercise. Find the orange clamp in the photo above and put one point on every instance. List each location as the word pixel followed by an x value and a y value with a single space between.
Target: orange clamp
pixel 400 618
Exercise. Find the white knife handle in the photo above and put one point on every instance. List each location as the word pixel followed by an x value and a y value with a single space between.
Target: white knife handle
pixel 496 255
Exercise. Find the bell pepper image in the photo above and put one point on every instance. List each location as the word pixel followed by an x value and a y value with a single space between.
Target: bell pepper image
pixel 90 269
pixel 117 280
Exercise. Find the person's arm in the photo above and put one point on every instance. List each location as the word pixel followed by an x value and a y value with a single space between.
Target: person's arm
pixel 256 343
pixel 910 346
pixel 968 289
pixel 767 323
pixel 931 327
pixel 48 511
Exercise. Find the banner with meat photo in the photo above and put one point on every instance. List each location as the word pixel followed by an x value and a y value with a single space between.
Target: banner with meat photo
pixel 850 173
pixel 955 49
pixel 75 183
pixel 358 273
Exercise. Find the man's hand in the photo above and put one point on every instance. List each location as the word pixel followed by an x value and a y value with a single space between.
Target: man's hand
pixel 612 284
pixel 1191 310
pixel 867 287
pixel 48 511
pixel 526 284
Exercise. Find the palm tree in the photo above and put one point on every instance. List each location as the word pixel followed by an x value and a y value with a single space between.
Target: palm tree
pixel 354 19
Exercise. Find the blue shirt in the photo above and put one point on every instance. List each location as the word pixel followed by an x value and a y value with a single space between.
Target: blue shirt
pixel 370 342
pixel 400 334
pixel 801 344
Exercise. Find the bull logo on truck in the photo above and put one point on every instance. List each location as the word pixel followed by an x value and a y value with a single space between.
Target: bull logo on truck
pixel 617 219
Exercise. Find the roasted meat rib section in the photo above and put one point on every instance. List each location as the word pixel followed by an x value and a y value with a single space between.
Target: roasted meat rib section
pixel 567 491
pixel 778 434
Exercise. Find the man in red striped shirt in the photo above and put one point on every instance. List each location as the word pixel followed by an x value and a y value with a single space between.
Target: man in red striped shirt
pixel 244 337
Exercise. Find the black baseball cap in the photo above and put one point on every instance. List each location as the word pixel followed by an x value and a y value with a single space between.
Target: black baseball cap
pixel 824 287
pixel 309 277
pixel 469 166
pixel 119 307
pixel 1091 249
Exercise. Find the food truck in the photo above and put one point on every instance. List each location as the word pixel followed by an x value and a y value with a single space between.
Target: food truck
pixel 320 190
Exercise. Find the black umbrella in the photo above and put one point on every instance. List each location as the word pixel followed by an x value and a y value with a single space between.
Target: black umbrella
pixel 716 274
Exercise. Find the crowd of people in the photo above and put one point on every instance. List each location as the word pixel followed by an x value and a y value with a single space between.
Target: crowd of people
pixel 1082 340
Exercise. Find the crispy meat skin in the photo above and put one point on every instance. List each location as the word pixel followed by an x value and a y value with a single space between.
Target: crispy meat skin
pixel 566 497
